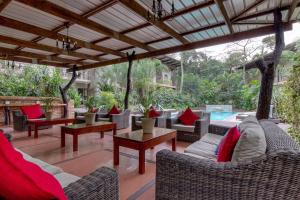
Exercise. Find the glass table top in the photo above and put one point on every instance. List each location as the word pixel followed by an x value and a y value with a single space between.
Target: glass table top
pixel 84 125
pixel 139 136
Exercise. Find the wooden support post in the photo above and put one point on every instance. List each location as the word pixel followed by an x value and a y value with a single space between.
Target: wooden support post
pixel 128 87
pixel 268 70
pixel 64 90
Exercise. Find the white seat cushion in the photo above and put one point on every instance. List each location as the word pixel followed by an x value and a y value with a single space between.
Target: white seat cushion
pixel 66 179
pixel 45 166
pixel 199 157
pixel 184 128
pixel 139 123
pixel 212 138
pixel 202 149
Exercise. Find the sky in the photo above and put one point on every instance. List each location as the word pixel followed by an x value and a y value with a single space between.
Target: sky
pixel 218 50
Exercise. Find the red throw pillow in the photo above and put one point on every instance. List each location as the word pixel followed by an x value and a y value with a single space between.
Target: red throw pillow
pixel 188 117
pixel 227 145
pixel 153 113
pixel 21 179
pixel 32 111
pixel 114 110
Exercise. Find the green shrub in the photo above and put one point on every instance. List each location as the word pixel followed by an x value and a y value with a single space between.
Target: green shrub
pixel 75 96
pixel 106 99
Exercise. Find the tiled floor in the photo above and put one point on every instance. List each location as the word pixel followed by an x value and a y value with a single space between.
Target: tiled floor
pixel 94 153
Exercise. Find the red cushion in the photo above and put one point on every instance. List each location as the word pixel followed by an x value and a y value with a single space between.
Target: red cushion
pixel 153 113
pixel 114 110
pixel 188 117
pixel 227 145
pixel 32 111
pixel 21 179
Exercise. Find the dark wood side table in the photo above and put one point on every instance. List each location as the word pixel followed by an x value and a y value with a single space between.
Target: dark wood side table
pixel 142 141
pixel 79 129
pixel 36 123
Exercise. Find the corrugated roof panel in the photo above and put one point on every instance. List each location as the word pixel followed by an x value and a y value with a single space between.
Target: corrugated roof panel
pixel 165 44
pixel 109 57
pixel 118 18
pixel 137 50
pixel 29 15
pixel 68 57
pixel 113 44
pixel 88 51
pixel 9 46
pixel 37 51
pixel 77 6
pixel 15 33
pixel 147 34
pixel 48 41
pixel 82 33
pixel 90 61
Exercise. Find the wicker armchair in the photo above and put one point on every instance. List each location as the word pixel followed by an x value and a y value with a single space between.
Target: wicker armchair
pixel 20 121
pixel 273 176
pixel 190 133
pixel 122 119
pixel 101 184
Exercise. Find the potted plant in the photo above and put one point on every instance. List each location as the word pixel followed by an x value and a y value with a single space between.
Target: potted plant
pixel 90 115
pixel 48 107
pixel 147 122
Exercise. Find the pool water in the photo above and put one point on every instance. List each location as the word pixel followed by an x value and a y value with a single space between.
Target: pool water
pixel 220 115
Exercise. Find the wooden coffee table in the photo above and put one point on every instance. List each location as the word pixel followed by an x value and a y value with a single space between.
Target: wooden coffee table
pixel 79 129
pixel 36 123
pixel 142 141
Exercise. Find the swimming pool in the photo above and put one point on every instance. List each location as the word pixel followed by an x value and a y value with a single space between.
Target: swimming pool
pixel 220 115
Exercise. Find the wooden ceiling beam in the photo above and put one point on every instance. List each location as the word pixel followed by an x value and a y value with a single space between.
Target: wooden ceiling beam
pixel 211 26
pixel 177 14
pixel 199 44
pixel 13 52
pixel 3 4
pixel 68 15
pixel 32 61
pixel 292 9
pixel 141 11
pixel 44 33
pixel 225 15
pixel 29 44
pixel 250 7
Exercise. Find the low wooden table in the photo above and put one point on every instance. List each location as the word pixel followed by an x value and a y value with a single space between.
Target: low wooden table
pixel 142 141
pixel 79 129
pixel 36 123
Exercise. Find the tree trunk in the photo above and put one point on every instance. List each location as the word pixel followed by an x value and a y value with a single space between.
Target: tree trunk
pixel 182 76
pixel 268 71
pixel 128 87
pixel 64 90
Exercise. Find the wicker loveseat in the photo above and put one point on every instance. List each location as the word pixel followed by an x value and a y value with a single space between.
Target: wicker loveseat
pixel 272 176
pixel 190 133
pixel 101 184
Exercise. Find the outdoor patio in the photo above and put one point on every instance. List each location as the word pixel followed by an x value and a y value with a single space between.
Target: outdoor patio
pixel 113 152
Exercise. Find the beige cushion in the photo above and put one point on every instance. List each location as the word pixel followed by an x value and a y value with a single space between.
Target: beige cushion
pixel 199 157
pixel 212 138
pixel 66 179
pixel 184 128
pixel 138 123
pixel 45 166
pixel 202 149
pixel 252 142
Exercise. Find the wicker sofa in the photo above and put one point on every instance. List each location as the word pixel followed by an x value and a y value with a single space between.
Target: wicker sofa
pixel 122 119
pixel 190 133
pixel 272 176
pixel 101 184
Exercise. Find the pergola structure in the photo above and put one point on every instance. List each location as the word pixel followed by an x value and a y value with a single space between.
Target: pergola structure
pixel 105 30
